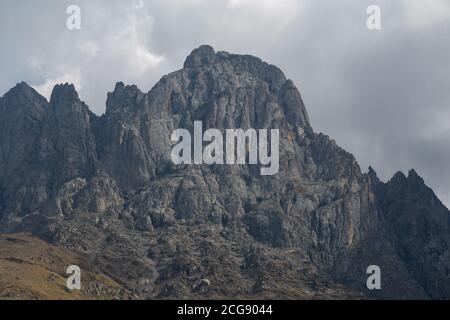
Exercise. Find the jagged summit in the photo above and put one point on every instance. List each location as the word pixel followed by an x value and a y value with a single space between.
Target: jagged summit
pixel 123 98
pixel 22 86
pixel 203 55
pixel 373 176
pixel 399 176
pixel 412 178
pixel 63 93
pixel 23 91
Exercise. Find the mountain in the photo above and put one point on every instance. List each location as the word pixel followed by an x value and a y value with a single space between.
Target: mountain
pixel 106 188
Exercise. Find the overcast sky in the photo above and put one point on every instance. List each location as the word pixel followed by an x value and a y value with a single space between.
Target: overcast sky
pixel 383 95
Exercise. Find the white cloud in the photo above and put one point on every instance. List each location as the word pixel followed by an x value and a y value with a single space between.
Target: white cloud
pixel 114 44
pixel 422 13
pixel 279 11
pixel 138 4
pixel 129 43
pixel 89 49
pixel 143 60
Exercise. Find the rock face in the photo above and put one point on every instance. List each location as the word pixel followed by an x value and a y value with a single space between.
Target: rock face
pixel 106 187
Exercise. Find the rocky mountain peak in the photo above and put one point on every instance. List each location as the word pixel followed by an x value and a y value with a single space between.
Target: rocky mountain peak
pixel 21 88
pixel 203 55
pixel 413 177
pixel 373 176
pixel 402 182
pixel 63 94
pixel 106 186
pixel 23 96
pixel 398 177
pixel 123 97
pixel 206 57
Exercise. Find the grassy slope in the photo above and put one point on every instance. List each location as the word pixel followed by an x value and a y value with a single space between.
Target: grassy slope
pixel 32 269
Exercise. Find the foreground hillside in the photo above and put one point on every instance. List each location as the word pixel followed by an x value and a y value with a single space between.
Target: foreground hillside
pixel 33 269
